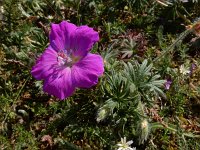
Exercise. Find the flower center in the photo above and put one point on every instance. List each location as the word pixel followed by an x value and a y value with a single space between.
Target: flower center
pixel 65 58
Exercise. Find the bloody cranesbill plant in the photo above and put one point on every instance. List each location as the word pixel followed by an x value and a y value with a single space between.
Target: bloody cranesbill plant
pixel 66 63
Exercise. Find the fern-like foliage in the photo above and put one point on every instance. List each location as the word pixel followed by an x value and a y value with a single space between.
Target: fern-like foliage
pixel 143 80
pixel 129 47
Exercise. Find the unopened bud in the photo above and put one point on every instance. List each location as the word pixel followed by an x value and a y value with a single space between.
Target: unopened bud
pixel 101 114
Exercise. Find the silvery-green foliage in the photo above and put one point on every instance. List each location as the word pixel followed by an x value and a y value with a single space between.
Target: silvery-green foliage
pixel 32 7
pixel 116 94
pixel 109 54
pixel 116 87
pixel 129 47
pixel 137 83
pixel 143 80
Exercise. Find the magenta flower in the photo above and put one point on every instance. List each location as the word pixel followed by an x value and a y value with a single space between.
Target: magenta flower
pixel 66 63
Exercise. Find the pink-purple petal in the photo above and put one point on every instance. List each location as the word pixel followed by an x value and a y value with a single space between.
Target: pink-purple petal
pixel 68 33
pixel 86 72
pixel 45 65
pixel 61 35
pixel 60 84
pixel 56 37
pixel 84 39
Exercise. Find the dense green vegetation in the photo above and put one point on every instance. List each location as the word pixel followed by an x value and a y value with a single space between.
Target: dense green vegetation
pixel 150 90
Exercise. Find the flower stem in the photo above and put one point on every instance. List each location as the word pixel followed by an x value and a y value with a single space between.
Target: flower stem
pixel 171 47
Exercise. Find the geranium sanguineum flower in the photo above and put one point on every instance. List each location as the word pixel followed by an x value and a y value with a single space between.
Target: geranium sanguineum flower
pixel 66 63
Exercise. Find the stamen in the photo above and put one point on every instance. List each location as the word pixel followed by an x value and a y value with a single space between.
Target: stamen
pixel 65 58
